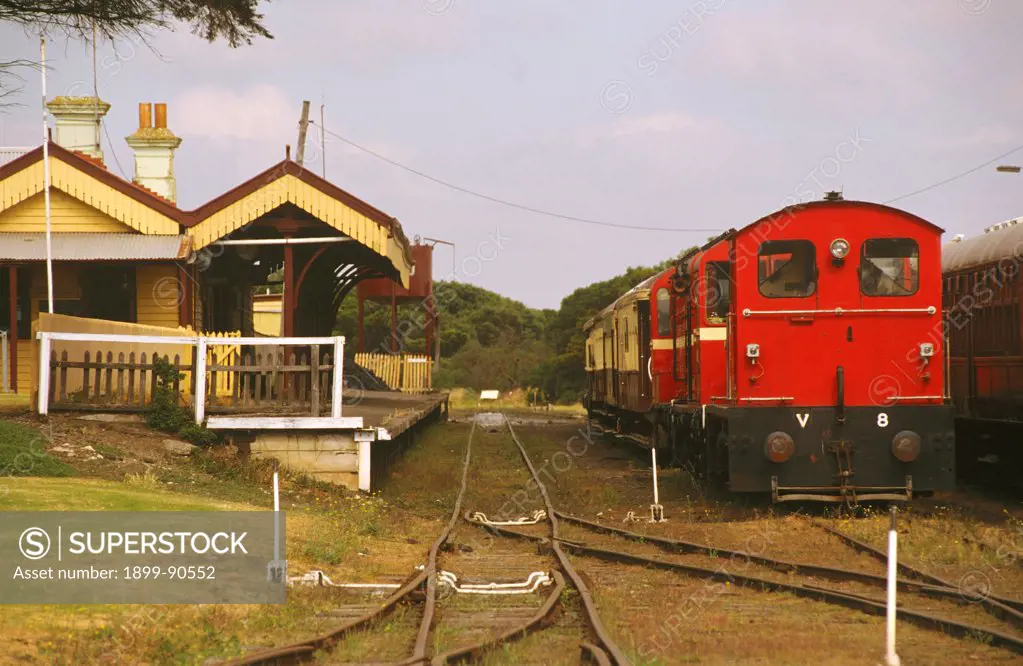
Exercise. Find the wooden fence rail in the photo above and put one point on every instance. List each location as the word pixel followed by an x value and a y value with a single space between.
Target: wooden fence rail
pixel 259 381
pixel 409 373
pixel 264 381
pixel 128 383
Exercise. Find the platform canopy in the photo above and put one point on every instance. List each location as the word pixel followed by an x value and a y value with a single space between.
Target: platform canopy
pixel 325 239
pixel 266 196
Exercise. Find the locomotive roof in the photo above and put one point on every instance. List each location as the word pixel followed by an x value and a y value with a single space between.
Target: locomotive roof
pixel 840 203
pixel 1002 241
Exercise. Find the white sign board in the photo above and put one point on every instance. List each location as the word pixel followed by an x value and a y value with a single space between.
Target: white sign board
pixel 489 395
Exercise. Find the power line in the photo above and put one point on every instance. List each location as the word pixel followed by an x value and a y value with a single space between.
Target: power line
pixel 602 223
pixel 505 202
pixel 112 151
pixel 954 178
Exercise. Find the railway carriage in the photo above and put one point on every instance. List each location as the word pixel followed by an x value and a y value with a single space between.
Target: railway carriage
pixel 982 296
pixel 803 357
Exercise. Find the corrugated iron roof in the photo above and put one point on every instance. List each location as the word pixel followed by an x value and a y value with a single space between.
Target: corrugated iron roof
pixel 31 246
pixel 1003 241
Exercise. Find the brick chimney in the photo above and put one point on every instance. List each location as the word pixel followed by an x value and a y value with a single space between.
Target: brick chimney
pixel 78 123
pixel 154 146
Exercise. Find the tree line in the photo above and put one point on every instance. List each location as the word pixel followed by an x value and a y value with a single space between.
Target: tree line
pixel 491 341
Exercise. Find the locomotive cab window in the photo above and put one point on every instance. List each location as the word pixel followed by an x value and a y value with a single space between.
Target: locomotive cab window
pixel 787 269
pixel 889 267
pixel 718 296
pixel 663 313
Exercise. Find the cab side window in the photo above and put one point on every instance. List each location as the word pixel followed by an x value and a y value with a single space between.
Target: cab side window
pixel 889 267
pixel 787 269
pixel 663 299
pixel 718 292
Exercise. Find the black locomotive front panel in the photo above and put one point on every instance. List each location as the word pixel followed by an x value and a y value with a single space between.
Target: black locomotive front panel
pixel 867 450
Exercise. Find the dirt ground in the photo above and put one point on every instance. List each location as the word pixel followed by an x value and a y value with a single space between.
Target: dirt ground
pixel 657 617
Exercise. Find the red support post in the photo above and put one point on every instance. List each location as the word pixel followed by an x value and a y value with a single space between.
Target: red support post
pixel 290 297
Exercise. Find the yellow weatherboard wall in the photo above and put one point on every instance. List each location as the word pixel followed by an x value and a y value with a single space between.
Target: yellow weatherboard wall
pixel 29 182
pixel 158 294
pixel 67 214
pixel 266 315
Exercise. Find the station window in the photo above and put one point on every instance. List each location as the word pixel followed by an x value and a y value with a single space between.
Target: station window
pixel 787 269
pixel 718 293
pixel 889 267
pixel 663 312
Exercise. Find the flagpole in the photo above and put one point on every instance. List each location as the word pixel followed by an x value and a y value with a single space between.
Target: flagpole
pixel 46 179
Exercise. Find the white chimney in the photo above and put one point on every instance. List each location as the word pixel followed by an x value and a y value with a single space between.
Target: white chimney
pixel 78 123
pixel 154 147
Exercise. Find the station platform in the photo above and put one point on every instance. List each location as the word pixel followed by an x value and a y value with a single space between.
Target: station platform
pixel 383 425
pixel 393 413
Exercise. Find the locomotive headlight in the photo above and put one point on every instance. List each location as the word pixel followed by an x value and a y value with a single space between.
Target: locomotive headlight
pixel 839 248
pixel 926 350
pixel 779 447
pixel 906 446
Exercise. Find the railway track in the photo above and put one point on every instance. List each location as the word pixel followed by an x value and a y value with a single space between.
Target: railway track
pixel 462 613
pixel 926 601
pixel 457 627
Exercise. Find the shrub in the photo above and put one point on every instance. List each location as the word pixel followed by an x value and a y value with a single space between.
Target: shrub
pixel 166 413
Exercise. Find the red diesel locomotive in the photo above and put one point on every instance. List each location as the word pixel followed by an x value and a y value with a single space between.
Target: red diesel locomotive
pixel 801 355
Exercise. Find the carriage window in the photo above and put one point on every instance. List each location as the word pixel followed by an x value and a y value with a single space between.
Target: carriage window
pixel 889 267
pixel 787 269
pixel 719 292
pixel 663 312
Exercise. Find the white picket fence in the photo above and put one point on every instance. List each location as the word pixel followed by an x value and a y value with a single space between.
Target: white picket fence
pixel 201 368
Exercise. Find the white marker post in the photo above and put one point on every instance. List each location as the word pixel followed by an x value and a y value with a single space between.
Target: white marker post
pixel 890 658
pixel 277 570
pixel 656 510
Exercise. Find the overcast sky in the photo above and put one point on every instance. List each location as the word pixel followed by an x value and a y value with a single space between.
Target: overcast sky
pixel 686 115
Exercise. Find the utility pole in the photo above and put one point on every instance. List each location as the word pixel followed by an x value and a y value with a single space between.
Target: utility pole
pixel 323 143
pixel 303 127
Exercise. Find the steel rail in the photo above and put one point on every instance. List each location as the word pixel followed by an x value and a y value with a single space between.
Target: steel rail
pixel 592 654
pixel 305 650
pixel 430 606
pixel 460 654
pixel 942 591
pixel 857 602
pixel 614 653
pixel 816 592
pixel 994 604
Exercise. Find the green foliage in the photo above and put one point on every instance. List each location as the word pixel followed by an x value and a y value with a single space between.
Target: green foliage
pixel 235 21
pixel 197 434
pixel 465 312
pixel 563 374
pixel 509 362
pixel 490 341
pixel 166 413
pixel 23 453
